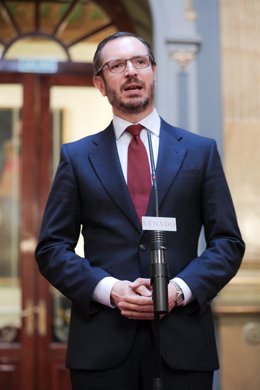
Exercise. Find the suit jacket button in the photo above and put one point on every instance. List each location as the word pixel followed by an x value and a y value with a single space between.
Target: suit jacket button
pixel 142 247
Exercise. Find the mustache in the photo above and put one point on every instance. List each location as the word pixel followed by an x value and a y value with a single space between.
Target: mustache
pixel 132 80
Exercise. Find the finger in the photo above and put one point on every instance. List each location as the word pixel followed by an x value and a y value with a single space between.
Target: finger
pixel 140 282
pixel 135 308
pixel 138 300
pixel 144 291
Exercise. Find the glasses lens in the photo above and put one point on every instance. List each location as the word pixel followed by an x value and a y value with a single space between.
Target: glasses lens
pixel 116 66
pixel 141 62
pixel 119 66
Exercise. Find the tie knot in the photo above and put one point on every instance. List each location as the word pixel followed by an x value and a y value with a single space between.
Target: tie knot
pixel 135 130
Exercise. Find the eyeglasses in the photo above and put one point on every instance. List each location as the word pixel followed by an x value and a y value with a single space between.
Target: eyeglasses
pixel 119 66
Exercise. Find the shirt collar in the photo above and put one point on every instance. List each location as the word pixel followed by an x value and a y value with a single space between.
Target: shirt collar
pixel 151 122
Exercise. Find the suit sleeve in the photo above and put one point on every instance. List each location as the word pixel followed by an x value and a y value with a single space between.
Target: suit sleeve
pixel 55 254
pixel 208 273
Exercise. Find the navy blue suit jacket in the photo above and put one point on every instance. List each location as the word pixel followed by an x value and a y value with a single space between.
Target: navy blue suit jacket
pixel 89 190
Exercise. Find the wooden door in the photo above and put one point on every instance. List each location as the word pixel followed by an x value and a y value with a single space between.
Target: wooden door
pixel 34 317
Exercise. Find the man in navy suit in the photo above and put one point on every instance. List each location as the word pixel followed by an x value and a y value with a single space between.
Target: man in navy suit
pixel 110 342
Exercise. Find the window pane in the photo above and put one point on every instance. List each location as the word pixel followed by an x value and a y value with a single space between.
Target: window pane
pixel 10 292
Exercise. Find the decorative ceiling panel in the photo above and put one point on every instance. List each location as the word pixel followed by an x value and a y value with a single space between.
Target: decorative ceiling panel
pixel 65 22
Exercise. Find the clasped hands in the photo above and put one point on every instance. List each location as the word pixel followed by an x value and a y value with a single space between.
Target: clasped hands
pixel 134 299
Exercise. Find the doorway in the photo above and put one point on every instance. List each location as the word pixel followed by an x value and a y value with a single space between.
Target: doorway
pixel 38 112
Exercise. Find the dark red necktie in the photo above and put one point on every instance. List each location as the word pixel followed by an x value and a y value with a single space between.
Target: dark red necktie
pixel 138 171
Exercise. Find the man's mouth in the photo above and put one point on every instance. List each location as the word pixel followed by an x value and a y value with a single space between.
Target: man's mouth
pixel 133 88
pixel 132 85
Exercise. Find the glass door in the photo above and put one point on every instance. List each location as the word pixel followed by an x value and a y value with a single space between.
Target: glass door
pixel 10 283
pixel 10 278
pixel 17 310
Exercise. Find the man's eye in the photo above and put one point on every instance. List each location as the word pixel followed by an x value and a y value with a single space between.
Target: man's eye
pixel 140 61
pixel 117 65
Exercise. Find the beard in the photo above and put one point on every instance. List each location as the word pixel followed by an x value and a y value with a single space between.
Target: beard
pixel 133 104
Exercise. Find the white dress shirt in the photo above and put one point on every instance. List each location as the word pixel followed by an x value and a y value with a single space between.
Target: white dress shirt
pixel 152 122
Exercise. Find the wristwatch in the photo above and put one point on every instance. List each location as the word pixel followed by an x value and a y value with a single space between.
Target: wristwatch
pixel 179 299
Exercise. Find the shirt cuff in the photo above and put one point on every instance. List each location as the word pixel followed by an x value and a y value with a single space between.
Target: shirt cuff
pixel 185 289
pixel 102 291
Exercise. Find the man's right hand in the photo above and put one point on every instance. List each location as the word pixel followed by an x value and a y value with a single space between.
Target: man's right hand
pixel 133 303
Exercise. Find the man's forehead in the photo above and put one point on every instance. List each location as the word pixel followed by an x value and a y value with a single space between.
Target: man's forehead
pixel 121 47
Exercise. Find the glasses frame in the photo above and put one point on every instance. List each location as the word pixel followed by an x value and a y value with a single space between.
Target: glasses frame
pixel 125 62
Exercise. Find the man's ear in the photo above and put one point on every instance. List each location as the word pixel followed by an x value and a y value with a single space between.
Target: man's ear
pixel 99 84
pixel 154 72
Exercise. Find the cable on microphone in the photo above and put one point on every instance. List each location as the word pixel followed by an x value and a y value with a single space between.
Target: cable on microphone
pixel 159 268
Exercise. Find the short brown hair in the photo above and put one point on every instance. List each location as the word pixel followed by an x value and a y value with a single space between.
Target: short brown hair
pixel 121 34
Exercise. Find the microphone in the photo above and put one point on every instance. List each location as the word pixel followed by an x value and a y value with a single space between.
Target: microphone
pixel 159 273
pixel 159 267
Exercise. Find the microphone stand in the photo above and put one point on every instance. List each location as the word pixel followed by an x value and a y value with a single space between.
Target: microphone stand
pixel 159 276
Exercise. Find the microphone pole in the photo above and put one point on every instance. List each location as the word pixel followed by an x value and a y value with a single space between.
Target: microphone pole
pixel 159 275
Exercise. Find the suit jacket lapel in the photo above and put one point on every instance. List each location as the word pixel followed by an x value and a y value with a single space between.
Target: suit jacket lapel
pixel 106 164
pixel 170 158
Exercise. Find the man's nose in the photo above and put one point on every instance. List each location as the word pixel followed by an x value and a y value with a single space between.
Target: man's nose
pixel 130 69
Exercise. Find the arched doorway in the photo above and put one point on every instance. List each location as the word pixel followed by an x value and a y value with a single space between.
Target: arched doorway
pixel 46 98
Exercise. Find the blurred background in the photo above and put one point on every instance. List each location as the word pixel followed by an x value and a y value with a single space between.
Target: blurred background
pixel 208 81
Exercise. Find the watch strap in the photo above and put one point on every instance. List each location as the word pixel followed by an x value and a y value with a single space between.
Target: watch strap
pixel 179 299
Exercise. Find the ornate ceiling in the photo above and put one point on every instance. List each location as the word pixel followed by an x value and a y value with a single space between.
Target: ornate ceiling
pixel 68 22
